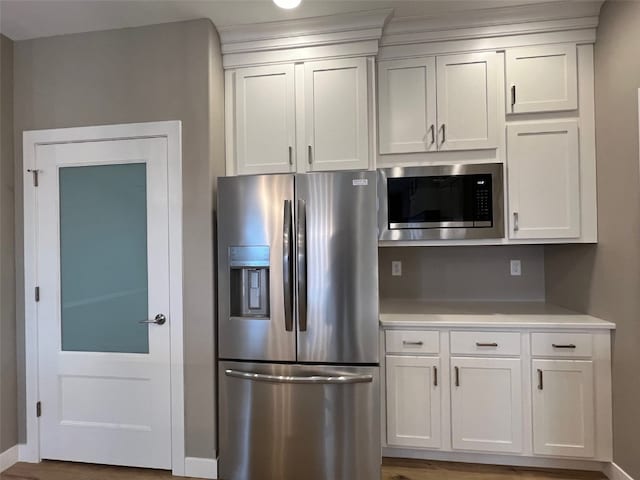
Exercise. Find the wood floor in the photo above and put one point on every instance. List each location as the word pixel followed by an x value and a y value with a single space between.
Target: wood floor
pixel 393 469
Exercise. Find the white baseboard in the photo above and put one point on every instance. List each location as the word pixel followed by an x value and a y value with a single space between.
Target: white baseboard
pixel 614 472
pixel 201 467
pixel 8 458
pixel 496 459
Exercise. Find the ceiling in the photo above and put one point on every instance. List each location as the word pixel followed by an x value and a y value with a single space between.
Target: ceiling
pixel 25 19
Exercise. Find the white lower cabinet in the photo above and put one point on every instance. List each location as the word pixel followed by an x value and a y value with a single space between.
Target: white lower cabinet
pixel 469 392
pixel 413 401
pixel 486 404
pixel 563 408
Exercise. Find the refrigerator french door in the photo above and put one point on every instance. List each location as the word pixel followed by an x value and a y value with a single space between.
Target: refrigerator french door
pixel 298 327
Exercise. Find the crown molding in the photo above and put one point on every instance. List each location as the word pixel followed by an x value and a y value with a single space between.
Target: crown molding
pixel 306 32
pixel 545 17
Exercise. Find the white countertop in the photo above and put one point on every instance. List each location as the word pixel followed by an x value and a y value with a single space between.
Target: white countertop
pixel 422 314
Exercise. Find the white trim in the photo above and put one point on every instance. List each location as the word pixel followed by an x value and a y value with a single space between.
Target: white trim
pixel 492 459
pixel 200 467
pixel 303 32
pixel 490 22
pixel 172 131
pixel 614 472
pixel 9 458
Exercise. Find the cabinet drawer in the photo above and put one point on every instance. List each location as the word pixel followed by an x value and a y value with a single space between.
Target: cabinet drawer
pixel 412 341
pixel 562 344
pixel 485 343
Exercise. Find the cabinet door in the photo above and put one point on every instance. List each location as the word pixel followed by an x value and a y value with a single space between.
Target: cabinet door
pixel 265 119
pixel 336 114
pixel 467 101
pixel 563 408
pixel 407 105
pixel 542 78
pixel 486 404
pixel 544 180
pixel 413 401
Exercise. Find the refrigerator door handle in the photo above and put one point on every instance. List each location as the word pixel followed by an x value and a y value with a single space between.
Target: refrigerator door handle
pixel 286 267
pixel 302 265
pixel 312 379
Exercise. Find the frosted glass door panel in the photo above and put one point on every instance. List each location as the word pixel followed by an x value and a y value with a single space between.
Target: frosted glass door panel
pixel 103 258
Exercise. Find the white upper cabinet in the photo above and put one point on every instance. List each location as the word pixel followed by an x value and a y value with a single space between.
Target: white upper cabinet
pixel 467 101
pixel 544 180
pixel 407 105
pixel 486 404
pixel 563 408
pixel 542 78
pixel 439 103
pixel 265 119
pixel 336 114
pixel 413 401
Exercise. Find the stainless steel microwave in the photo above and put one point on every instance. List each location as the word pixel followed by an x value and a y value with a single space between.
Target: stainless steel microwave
pixel 442 202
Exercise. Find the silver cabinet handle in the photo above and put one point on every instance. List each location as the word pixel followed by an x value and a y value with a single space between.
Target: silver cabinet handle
pixel 516 222
pixel 407 342
pixel 310 154
pixel 290 155
pixel 302 265
pixel 540 380
pixel 513 96
pixel 457 372
pixel 286 268
pixel 492 344
pixel 312 379
pixel 435 376
pixel 444 134
pixel 432 128
pixel 160 319
pixel 569 346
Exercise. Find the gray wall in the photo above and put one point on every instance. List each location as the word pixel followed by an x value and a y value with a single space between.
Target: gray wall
pixel 604 280
pixel 8 394
pixel 463 273
pixel 162 72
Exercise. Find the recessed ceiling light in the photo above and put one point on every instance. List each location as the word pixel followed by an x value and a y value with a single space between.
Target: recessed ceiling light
pixel 288 4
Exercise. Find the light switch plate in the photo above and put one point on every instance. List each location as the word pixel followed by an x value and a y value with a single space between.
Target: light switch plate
pixel 516 268
pixel 396 268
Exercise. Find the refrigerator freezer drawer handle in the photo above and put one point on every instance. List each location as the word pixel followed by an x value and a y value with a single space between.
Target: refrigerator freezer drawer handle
pixel 302 265
pixel 286 267
pixel 314 379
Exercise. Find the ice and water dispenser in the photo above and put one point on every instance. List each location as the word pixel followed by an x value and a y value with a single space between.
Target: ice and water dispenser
pixel 249 282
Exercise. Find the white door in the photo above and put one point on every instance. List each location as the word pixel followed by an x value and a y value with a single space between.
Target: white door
pixel 407 105
pixel 486 404
pixel 265 119
pixel 103 269
pixel 413 401
pixel 563 408
pixel 467 101
pixel 530 90
pixel 336 114
pixel 544 180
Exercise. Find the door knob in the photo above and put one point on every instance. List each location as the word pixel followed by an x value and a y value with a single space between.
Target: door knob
pixel 159 320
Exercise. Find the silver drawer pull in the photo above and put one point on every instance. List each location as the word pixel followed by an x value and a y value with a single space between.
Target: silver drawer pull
pixel 338 378
pixel 492 344
pixel 570 345
pixel 416 344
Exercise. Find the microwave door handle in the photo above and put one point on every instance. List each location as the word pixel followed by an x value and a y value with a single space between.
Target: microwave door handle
pixel 286 267
pixel 302 265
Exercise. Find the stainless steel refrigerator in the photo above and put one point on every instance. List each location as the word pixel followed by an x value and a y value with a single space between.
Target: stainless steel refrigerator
pixel 298 329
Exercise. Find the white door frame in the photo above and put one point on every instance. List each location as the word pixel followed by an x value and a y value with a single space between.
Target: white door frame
pixel 172 131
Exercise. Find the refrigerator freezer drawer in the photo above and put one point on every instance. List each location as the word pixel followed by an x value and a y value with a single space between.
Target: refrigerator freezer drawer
pixel 293 422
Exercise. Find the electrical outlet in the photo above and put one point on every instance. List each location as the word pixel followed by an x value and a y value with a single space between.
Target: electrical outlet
pixel 516 268
pixel 396 268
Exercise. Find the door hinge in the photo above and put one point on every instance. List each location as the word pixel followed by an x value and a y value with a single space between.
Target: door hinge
pixel 37 294
pixel 34 172
pixel 39 409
